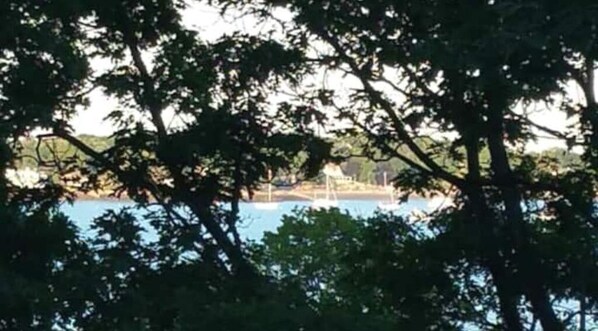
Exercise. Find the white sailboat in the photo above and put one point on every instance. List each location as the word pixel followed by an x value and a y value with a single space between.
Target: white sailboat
pixel 327 202
pixel 439 202
pixel 269 205
pixel 390 205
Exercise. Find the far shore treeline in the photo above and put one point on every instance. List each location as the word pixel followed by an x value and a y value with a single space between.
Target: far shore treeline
pixel 36 154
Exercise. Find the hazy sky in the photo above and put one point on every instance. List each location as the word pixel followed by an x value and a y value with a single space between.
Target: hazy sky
pixel 202 18
pixel 211 25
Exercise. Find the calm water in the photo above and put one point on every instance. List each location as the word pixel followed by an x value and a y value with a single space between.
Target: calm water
pixel 254 221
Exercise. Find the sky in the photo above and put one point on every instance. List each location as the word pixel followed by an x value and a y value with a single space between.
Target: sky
pixel 211 25
pixel 202 18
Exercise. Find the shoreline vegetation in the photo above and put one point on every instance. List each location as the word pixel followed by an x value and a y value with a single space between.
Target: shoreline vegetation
pixel 344 188
pixel 363 179
pixel 262 196
pixel 371 192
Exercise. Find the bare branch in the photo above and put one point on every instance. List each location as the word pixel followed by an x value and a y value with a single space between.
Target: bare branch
pixel 154 106
pixel 389 150
pixel 540 127
pixel 434 168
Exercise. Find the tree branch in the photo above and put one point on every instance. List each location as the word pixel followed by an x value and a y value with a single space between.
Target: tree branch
pixel 198 208
pixel 545 129
pixel 398 124
pixel 148 83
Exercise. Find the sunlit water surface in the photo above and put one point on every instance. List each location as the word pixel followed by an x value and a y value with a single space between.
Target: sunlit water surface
pixel 254 221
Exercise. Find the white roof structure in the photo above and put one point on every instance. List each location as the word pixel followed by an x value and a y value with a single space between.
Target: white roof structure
pixel 334 171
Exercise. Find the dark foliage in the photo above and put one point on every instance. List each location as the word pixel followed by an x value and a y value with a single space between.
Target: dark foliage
pixel 517 250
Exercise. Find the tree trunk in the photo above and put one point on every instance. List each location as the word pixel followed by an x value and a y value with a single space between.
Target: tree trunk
pixel 525 261
pixel 590 113
pixel 484 225
pixel 235 210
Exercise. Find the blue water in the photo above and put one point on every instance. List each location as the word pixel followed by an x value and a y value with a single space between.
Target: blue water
pixel 254 221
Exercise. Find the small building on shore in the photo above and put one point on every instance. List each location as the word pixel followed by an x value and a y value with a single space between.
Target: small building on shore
pixel 25 178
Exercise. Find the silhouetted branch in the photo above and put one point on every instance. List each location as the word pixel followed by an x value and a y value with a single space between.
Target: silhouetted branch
pixel 540 127
pixel 434 168
pixel 153 105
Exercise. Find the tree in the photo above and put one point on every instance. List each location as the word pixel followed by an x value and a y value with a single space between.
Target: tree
pixel 39 246
pixel 380 270
pixel 471 70
pixel 226 137
pixel 427 72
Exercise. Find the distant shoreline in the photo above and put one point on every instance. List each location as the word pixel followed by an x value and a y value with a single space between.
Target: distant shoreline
pixel 277 196
pixel 312 195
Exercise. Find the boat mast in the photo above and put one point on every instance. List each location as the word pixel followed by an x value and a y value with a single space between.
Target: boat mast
pixel 269 185
pixel 327 188
pixel 390 190
pixel 385 179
